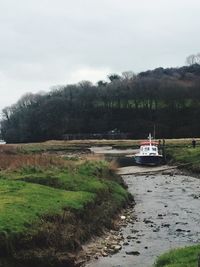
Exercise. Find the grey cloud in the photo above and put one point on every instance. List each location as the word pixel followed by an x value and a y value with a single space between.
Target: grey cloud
pixel 47 42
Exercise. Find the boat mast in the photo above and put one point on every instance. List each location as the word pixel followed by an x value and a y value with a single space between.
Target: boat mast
pixel 149 139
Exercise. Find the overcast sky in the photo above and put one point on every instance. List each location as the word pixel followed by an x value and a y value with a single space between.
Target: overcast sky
pixel 52 42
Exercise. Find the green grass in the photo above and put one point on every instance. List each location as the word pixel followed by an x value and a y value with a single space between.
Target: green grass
pixel 183 257
pixel 28 194
pixel 88 177
pixel 23 204
pixel 60 179
pixel 186 157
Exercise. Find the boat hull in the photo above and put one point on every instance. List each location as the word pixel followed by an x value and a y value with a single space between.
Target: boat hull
pixel 148 160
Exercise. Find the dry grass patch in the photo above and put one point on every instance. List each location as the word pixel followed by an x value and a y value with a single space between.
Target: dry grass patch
pixel 14 162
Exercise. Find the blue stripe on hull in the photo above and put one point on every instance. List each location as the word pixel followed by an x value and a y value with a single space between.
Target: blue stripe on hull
pixel 148 160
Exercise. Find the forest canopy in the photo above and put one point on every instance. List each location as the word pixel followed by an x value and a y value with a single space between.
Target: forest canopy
pixel 167 99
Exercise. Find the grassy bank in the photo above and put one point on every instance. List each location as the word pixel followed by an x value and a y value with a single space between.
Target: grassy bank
pixel 187 158
pixel 49 206
pixel 183 257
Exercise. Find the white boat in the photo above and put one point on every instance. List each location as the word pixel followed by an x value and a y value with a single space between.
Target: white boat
pixel 149 153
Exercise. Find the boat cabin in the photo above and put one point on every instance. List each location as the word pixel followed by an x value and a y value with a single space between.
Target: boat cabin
pixel 148 150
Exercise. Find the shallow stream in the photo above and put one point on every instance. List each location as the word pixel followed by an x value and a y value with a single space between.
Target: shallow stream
pixel 167 215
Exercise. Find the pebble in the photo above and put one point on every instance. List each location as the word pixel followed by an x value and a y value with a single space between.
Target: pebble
pixel 104 254
pixel 117 248
pixel 147 221
pixel 166 225
pixel 135 253
pixel 180 230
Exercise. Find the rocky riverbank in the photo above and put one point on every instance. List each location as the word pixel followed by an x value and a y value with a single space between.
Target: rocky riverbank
pixel 165 216
pixel 110 242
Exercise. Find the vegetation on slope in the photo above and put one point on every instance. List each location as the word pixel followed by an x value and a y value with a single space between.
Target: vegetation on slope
pixel 187 157
pixel 49 206
pixel 183 257
pixel 24 204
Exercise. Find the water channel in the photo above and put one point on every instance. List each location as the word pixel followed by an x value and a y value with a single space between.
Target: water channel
pixel 167 215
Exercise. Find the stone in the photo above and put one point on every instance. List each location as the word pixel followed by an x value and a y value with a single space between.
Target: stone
pixel 166 225
pixel 117 248
pixel 135 253
pixel 180 230
pixel 104 254
pixel 134 231
pixel 147 221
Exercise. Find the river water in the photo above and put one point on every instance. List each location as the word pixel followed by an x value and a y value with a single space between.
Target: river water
pixel 167 215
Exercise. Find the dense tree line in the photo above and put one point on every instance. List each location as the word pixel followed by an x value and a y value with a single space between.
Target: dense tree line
pixel 167 98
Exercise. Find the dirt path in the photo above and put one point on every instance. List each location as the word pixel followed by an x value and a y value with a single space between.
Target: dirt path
pixel 167 215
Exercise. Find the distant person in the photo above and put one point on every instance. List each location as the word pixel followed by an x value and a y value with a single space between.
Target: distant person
pixel 159 144
pixel 163 142
pixel 193 143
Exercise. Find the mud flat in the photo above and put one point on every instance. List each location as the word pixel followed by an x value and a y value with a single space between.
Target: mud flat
pixel 109 150
pixel 145 169
pixel 167 215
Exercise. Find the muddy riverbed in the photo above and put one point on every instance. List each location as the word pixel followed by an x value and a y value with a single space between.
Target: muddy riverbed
pixel 167 215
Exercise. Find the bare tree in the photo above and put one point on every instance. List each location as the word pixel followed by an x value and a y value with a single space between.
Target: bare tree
pixel 193 59
pixel 127 75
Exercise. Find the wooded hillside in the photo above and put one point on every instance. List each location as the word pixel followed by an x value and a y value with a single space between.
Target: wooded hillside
pixel 167 98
